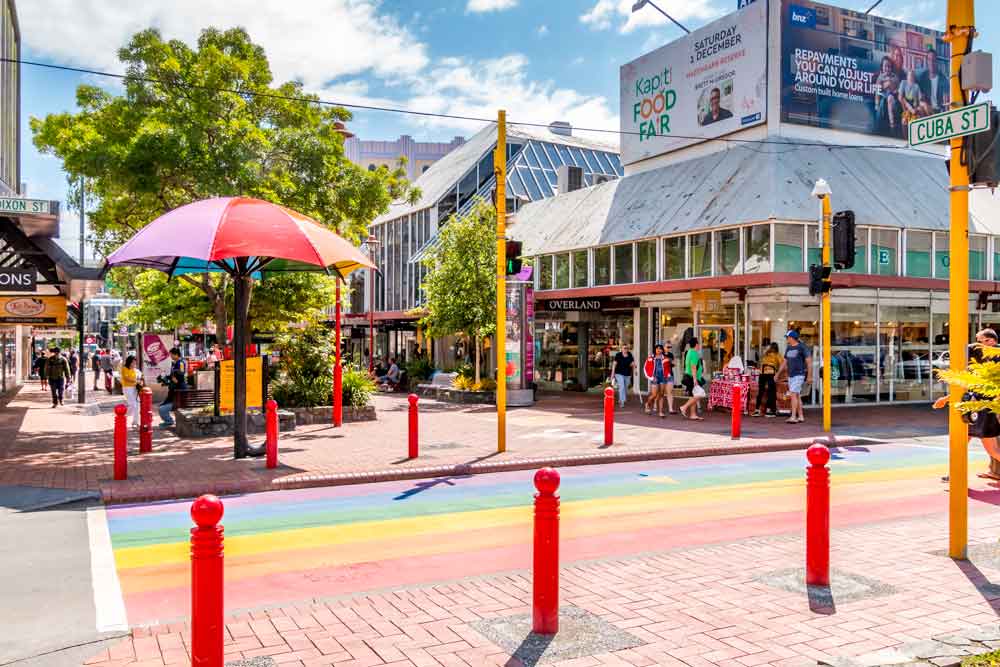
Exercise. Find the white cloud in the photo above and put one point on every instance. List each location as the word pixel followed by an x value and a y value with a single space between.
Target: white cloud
pixel 479 6
pixel 543 30
pixel 607 13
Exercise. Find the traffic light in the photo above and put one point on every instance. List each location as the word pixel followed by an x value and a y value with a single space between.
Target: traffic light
pixel 819 279
pixel 985 160
pixel 843 239
pixel 513 253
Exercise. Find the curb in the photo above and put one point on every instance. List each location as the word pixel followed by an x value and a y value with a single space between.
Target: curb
pixel 113 494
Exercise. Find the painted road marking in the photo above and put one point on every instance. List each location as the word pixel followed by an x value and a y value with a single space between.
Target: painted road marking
pixel 108 600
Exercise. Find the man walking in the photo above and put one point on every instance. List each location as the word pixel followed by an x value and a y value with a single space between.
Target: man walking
pixel 107 369
pixel 798 365
pixel 95 365
pixel 57 371
pixel 624 368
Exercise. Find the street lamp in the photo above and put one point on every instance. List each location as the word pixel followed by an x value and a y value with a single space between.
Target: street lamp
pixel 823 192
pixel 371 244
pixel 642 3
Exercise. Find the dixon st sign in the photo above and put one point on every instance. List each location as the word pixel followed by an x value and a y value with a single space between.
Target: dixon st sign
pixel 943 126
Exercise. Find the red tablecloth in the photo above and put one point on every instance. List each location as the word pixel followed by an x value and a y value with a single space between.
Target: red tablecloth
pixel 720 392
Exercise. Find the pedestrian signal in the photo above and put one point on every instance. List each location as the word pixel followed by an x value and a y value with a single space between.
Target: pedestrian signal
pixel 513 252
pixel 819 279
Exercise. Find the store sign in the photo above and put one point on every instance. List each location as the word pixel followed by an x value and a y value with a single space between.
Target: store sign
pixel 706 300
pixel 28 206
pixel 703 86
pixel 565 305
pixel 33 310
pixel 846 70
pixel 884 258
pixel 943 126
pixel 18 280
pixel 255 385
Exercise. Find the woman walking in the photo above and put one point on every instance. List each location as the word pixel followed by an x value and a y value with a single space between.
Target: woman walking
pixel 657 372
pixel 131 390
pixel 767 389
pixel 693 381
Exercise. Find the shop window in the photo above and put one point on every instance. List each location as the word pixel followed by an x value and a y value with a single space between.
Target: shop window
pixel 906 366
pixel 977 258
pixel 673 258
pixel 562 271
pixel 580 268
pixel 545 272
pixel 942 258
pixel 645 252
pixel 884 251
pixel 602 266
pixel 623 264
pixel 701 255
pixel 757 245
pixel 996 258
pixel 727 252
pixel 814 247
pixel 918 254
pixel 788 240
pixel 853 349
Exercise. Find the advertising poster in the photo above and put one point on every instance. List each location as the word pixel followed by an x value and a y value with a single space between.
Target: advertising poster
pixel 33 310
pixel 512 342
pixel 705 85
pixel 155 357
pixel 255 385
pixel 529 334
pixel 844 70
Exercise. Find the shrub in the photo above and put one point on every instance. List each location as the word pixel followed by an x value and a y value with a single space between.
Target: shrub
pixel 462 382
pixel 465 370
pixel 305 378
pixel 357 387
pixel 419 369
pixel 486 384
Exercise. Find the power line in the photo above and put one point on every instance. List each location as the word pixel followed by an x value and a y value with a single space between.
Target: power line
pixel 432 114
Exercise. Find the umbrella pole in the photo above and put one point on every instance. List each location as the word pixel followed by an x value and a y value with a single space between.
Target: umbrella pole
pixel 241 285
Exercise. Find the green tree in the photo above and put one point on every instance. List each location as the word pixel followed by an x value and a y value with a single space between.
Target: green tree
pixel 461 282
pixel 193 123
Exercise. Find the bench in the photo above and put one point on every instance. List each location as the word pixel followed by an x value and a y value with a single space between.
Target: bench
pixel 193 398
pixel 438 382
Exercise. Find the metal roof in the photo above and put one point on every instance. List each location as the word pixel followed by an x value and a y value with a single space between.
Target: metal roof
pixel 449 170
pixel 742 184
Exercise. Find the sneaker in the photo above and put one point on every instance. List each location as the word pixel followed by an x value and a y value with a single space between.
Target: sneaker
pixel 755 413
pixel 801 419
pixel 770 415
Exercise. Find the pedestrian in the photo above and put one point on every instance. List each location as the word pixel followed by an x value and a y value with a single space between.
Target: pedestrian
pixel 108 369
pixel 798 365
pixel 767 388
pixel 659 371
pixel 95 365
pixel 130 389
pixel 38 366
pixel 74 366
pixel 623 371
pixel 57 372
pixel 176 381
pixel 983 424
pixel 693 381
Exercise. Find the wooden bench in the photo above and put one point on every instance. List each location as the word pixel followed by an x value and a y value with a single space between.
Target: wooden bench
pixel 193 398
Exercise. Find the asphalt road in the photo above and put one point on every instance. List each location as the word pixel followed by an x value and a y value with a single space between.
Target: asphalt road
pixel 48 617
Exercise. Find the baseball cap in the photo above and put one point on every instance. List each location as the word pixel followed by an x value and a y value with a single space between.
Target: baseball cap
pixel 792 334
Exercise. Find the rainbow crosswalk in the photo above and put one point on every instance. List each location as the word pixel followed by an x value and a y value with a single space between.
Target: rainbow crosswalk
pixel 294 545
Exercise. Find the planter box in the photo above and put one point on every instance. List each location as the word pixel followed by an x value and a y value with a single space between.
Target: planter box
pixel 193 424
pixel 322 414
pixel 452 395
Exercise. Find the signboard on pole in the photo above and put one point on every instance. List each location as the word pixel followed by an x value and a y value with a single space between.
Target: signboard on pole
pixel 950 124
pixel 227 385
pixel 155 357
pixel 702 86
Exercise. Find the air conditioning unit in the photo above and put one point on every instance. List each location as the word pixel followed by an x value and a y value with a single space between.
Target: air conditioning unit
pixel 569 178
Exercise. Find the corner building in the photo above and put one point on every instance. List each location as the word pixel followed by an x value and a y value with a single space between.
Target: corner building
pixel 710 234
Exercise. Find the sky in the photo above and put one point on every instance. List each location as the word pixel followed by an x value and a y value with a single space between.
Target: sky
pixel 541 60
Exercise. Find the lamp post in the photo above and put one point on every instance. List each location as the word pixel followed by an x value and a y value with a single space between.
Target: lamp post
pixel 822 192
pixel 371 244
pixel 642 3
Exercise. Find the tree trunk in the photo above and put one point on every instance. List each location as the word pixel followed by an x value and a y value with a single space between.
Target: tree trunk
pixel 478 355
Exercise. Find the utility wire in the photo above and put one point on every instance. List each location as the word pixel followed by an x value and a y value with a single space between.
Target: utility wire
pixel 431 114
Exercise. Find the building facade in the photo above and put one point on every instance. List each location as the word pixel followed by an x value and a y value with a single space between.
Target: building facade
pixel 451 186
pixel 419 155
pixel 711 239
pixel 10 100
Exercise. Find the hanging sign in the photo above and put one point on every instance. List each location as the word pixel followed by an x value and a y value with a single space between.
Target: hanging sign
pixel 33 310
pixel 18 280
pixel 706 300
pixel 227 385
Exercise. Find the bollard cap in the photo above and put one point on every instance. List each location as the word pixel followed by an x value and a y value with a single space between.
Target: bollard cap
pixel 121 409
pixel 547 481
pixel 206 511
pixel 146 390
pixel 818 455
pixel 608 391
pixel 272 404
pixel 412 398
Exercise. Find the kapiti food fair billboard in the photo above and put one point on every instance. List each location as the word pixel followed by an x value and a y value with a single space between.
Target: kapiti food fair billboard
pixel 844 70
pixel 705 85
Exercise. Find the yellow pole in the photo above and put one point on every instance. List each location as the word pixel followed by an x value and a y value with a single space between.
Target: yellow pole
pixel 500 168
pixel 961 22
pixel 827 398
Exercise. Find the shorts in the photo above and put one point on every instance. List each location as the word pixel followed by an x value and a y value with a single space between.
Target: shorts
pixel 795 383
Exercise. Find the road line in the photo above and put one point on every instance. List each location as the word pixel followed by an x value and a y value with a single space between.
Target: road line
pixel 108 601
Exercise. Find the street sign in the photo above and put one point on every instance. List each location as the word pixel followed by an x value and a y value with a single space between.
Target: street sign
pixel 957 123
pixel 28 206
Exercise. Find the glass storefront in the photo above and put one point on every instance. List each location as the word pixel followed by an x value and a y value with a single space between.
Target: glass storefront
pixel 574 350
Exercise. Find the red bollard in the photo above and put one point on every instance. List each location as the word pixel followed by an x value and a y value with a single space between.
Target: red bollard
pixel 818 516
pixel 545 571
pixel 609 416
pixel 413 426
pixel 121 442
pixel 207 626
pixel 271 437
pixel 145 420
pixel 737 410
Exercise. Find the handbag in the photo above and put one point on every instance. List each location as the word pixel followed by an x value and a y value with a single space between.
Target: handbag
pixel 698 391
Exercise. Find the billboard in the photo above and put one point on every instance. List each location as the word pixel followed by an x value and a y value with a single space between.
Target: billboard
pixel 844 70
pixel 703 86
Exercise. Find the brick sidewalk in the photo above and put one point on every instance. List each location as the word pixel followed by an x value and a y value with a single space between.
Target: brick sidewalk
pixel 71 447
pixel 732 604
